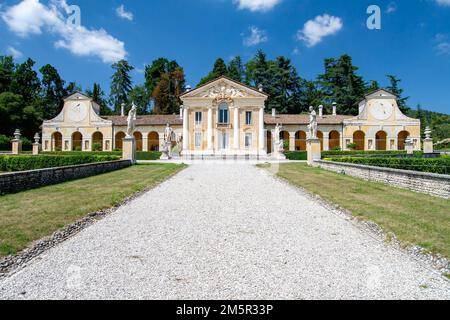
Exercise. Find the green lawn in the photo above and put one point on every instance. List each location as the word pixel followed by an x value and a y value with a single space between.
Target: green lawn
pixel 413 217
pixel 34 214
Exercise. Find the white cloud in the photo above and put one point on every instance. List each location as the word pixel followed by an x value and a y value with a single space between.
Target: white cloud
pixel 14 52
pixel 315 30
pixel 443 48
pixel 256 37
pixel 32 17
pixel 392 7
pixel 445 3
pixel 257 5
pixel 122 13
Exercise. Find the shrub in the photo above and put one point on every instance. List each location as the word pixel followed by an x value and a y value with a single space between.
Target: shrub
pixel 296 155
pixel 5 143
pixel 352 146
pixel 97 147
pixel 433 165
pixel 23 163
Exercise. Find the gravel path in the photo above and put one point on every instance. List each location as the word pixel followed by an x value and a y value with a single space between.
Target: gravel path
pixel 222 231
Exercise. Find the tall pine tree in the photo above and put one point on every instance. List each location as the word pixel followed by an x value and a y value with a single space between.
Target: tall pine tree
pixel 121 84
pixel 395 89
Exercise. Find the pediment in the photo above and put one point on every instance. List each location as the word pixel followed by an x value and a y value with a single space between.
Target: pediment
pixel 381 94
pixel 224 88
pixel 77 96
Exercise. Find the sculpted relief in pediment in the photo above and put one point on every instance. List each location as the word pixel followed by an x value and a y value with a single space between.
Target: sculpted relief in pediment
pixel 223 91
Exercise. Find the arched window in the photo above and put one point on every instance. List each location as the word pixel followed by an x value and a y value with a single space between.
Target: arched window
pixel 381 138
pixel 57 141
pixel 401 139
pixel 153 141
pixel 300 140
pixel 359 139
pixel 224 113
pixel 97 141
pixel 119 140
pixel 334 140
pixel 138 138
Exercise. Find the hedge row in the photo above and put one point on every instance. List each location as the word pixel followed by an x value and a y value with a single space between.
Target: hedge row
pixel 23 163
pixel 140 155
pixel 296 155
pixel 433 165
pixel 302 155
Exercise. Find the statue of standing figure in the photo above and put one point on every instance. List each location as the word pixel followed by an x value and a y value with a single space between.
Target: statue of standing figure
pixel 131 121
pixel 168 134
pixel 312 127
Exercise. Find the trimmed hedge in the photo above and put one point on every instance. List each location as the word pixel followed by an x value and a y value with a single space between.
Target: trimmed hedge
pixel 140 155
pixel 296 155
pixel 433 165
pixel 24 163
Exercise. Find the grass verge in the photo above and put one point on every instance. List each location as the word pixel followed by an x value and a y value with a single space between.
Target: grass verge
pixel 31 215
pixel 413 217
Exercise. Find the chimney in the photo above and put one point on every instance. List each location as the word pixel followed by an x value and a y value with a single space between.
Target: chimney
pixel 321 111
pixel 181 112
pixel 274 112
pixel 334 109
pixel 122 109
pixel 260 88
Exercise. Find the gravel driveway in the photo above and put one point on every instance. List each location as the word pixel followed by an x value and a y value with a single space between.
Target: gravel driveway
pixel 224 231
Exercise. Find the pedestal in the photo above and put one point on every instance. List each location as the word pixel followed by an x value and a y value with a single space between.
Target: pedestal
pixel 129 149
pixel 314 151
pixel 16 146
pixel 166 154
pixel 36 148
pixel 428 146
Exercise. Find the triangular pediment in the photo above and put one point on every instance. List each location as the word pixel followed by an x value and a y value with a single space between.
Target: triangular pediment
pixel 224 88
pixel 77 96
pixel 381 94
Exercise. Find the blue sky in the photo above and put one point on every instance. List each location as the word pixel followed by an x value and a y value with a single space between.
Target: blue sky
pixel 413 43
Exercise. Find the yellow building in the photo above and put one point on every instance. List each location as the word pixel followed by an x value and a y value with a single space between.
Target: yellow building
pixel 225 117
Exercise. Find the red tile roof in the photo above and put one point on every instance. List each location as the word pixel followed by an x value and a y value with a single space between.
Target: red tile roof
pixel 303 119
pixel 148 120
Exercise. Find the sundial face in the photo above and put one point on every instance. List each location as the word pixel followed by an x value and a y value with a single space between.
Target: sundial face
pixel 382 110
pixel 77 112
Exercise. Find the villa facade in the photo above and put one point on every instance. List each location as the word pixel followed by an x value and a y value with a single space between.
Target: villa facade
pixel 224 117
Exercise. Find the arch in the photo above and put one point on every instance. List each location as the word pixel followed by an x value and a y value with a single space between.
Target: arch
pixel 97 141
pixel 57 141
pixel 138 137
pixel 381 138
pixel 119 140
pixel 401 138
pixel 77 141
pixel 153 141
pixel 320 137
pixel 286 139
pixel 359 139
pixel 269 142
pixel 300 141
pixel 334 141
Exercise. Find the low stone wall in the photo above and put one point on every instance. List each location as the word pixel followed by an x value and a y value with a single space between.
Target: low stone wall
pixel 430 183
pixel 19 181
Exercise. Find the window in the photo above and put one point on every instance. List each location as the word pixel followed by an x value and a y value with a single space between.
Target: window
pixel 223 114
pixel 248 140
pixel 224 141
pixel 198 140
pixel 198 118
pixel 248 118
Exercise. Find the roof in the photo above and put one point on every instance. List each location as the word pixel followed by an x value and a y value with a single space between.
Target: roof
pixel 226 78
pixel 147 120
pixel 303 119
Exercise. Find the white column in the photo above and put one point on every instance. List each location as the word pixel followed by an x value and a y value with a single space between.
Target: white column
pixel 185 129
pixel 210 129
pixel 262 147
pixel 236 128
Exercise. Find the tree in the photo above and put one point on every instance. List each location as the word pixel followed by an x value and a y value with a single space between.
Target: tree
pixel 166 95
pixel 257 71
pixel 53 91
pixel 98 96
pixel 121 84
pixel 6 72
pixel 372 87
pixel 236 69
pixel 154 72
pixel 342 85
pixel 220 69
pixel 138 96
pixel 395 89
pixel 25 82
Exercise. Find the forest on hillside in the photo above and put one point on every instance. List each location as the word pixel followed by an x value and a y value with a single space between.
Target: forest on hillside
pixel 28 96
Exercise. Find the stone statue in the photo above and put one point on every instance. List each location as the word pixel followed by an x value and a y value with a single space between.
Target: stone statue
pixel 428 133
pixel 131 121
pixel 312 127
pixel 277 132
pixel 168 134
pixel 278 143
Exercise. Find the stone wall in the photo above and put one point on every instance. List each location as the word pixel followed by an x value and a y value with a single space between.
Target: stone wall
pixel 430 183
pixel 24 180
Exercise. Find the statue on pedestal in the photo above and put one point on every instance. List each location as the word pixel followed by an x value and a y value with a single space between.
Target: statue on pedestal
pixel 131 121
pixel 312 127
pixel 167 147
pixel 278 145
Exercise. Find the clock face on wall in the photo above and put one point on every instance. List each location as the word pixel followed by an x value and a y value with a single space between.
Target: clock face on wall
pixel 77 112
pixel 382 110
